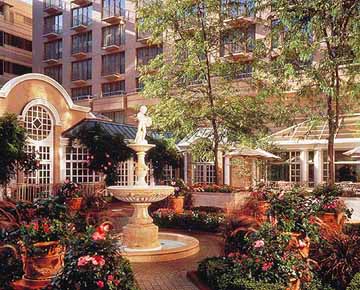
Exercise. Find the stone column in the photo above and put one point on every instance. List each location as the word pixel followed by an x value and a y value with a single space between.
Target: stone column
pixel 304 159
pixel 318 166
pixel 227 170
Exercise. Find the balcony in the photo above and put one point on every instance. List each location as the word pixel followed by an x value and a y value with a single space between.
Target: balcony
pixel 79 52
pixel 52 32
pixel 237 52
pixel 114 15
pixel 113 47
pixel 53 7
pixel 79 82
pixel 51 61
pixel 82 97
pixel 113 76
pixel 118 93
pixel 80 23
pixel 239 13
pixel 81 2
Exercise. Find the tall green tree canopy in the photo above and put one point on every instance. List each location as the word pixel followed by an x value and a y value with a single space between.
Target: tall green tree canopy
pixel 196 84
pixel 313 51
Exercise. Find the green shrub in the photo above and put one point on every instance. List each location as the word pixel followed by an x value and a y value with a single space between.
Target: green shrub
pixel 240 283
pixel 355 282
pixel 211 270
pixel 10 269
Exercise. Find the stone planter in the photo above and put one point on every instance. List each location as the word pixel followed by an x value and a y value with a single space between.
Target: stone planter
pixel 74 203
pixel 44 266
pixel 176 204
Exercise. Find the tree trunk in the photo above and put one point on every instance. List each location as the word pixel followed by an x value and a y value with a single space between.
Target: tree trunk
pixel 332 123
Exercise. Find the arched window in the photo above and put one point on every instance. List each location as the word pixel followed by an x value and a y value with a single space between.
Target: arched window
pixel 38 123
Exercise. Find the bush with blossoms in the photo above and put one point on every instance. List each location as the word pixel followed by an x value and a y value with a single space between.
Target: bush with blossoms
pixel 93 262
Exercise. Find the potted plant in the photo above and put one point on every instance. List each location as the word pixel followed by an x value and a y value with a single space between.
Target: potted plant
pixel 176 201
pixel 334 213
pixel 73 195
pixel 42 251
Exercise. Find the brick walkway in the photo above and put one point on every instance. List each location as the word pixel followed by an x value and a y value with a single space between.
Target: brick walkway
pixel 172 275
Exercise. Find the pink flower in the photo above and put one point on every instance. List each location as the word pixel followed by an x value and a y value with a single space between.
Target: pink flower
pixel 259 244
pixel 100 284
pixel 110 278
pixel 98 261
pixel 97 236
pixel 267 266
pixel 117 282
pixel 82 261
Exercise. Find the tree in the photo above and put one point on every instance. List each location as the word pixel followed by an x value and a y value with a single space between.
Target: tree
pixel 13 155
pixel 196 83
pixel 313 50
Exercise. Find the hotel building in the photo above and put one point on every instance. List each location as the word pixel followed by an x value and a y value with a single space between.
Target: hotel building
pixel 15 39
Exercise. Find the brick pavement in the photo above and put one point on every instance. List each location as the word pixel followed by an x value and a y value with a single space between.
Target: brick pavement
pixel 172 275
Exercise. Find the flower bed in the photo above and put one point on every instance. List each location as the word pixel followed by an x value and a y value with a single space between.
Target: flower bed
pixel 189 220
pixel 203 187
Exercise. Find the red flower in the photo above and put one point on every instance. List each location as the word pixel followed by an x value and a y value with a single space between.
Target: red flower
pixel 46 228
pixel 267 266
pixel 82 261
pixel 98 236
pixel 110 278
pixel 35 226
pixel 100 284
pixel 116 282
pixel 98 261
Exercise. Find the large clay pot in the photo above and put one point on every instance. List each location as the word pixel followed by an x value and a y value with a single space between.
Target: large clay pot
pixel 176 204
pixel 262 208
pixel 302 244
pixel 334 220
pixel 74 203
pixel 46 265
pixel 294 285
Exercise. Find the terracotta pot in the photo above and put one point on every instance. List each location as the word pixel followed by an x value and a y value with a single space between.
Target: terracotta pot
pixel 44 266
pixel 262 208
pixel 74 203
pixel 303 245
pixel 176 204
pixel 294 285
pixel 333 220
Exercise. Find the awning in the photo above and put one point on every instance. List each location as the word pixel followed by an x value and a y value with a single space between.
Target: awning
pixel 255 153
pixel 128 131
pixel 355 153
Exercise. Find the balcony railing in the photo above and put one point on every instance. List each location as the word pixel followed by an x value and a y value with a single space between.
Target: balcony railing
pixel 113 11
pixel 81 21
pixel 52 54
pixel 236 47
pixel 240 8
pixel 82 97
pixel 113 40
pixel 81 48
pixel 53 29
pixel 114 93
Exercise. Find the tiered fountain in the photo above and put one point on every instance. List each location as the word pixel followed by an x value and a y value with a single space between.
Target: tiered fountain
pixel 141 240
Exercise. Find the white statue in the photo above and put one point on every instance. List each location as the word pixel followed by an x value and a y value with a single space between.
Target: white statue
pixel 144 121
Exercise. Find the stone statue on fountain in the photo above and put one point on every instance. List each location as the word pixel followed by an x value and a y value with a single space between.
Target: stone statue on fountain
pixel 144 122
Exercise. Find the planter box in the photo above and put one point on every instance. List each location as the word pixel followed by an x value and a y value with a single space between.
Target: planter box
pixel 227 201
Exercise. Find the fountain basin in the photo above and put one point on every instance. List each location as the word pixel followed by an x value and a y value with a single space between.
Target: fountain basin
pixel 141 193
pixel 172 247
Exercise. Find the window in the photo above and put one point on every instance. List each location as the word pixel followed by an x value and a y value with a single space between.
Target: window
pixel 141 34
pixel 53 24
pixel 1 67
pixel 237 8
pixel 238 40
pixel 139 85
pixel 53 3
pixel 113 63
pixel 204 172
pixel 169 173
pixel 38 123
pixel 239 71
pixel 15 41
pixel 76 165
pixel 115 116
pixel 113 89
pixel 81 16
pixel 53 49
pixel 81 42
pixel 54 72
pixel 81 93
pixel 113 8
pixel 81 70
pixel 16 69
pixel 287 170
pixel 113 35
pixel 146 54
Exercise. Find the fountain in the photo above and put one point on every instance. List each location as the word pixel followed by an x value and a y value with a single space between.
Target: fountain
pixel 141 239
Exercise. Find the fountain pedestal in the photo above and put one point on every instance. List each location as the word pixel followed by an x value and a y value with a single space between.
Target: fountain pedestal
pixel 141 233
